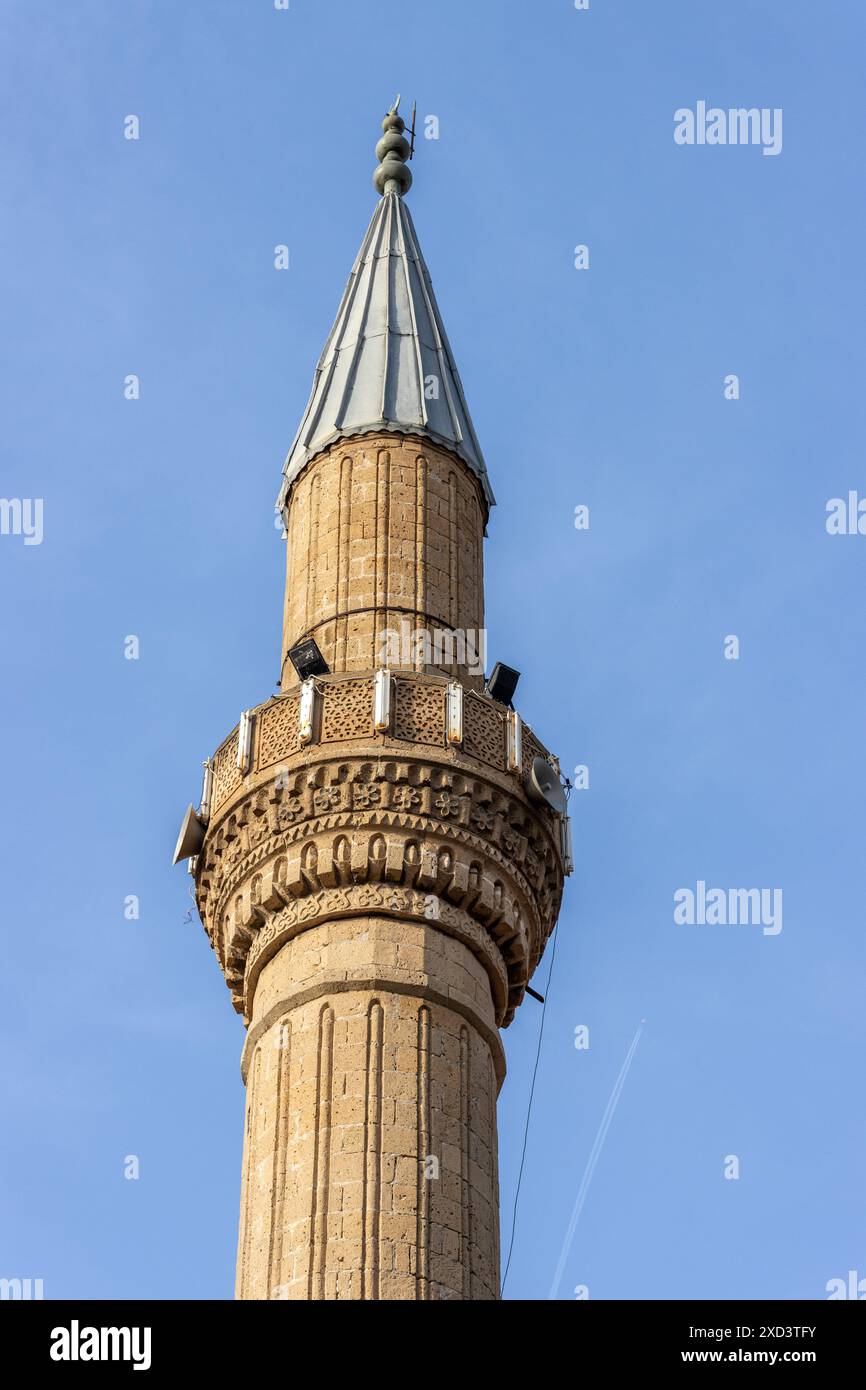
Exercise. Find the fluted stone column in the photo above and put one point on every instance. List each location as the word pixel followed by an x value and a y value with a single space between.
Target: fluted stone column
pixel 385 535
pixel 377 901
pixel 370 1154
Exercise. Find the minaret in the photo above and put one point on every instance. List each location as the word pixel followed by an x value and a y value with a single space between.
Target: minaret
pixel 380 847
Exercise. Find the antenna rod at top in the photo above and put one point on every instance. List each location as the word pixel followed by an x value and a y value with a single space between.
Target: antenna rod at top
pixel 412 130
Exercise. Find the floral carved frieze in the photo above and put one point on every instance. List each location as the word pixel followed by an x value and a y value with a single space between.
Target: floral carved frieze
pixel 403 864
pixel 503 833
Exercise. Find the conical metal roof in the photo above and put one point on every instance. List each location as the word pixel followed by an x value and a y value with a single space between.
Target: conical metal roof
pixel 387 364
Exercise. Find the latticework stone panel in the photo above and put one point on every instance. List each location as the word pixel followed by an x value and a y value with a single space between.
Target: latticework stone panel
pixel 419 712
pixel 348 710
pixel 483 731
pixel 277 732
pixel 226 774
pixel 532 749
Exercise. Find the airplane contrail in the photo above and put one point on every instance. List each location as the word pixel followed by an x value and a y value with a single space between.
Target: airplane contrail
pixel 594 1156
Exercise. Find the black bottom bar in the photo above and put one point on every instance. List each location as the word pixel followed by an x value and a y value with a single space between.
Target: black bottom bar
pixel 82 1338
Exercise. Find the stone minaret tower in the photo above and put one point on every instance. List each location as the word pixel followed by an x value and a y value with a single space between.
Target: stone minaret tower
pixel 379 852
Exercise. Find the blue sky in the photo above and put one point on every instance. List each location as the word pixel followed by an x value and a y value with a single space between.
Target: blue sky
pixel 601 387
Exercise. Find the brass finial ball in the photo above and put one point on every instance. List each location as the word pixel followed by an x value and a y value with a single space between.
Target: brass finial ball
pixel 392 151
pixel 392 176
pixel 393 143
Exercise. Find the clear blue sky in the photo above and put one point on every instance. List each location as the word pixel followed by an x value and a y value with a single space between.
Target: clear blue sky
pixel 602 387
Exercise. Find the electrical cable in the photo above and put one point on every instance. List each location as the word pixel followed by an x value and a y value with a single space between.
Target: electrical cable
pixel 529 1110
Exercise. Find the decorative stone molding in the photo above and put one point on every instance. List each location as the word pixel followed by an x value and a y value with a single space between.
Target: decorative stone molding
pixel 382 900
pixel 476 875
pixel 355 984
pixel 403 824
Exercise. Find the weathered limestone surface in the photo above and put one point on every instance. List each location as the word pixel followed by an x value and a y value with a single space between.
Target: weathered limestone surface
pixel 383 529
pixel 370 1158
pixel 377 902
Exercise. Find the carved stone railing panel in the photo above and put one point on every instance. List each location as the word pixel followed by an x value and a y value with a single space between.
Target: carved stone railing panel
pixel 419 711
pixel 277 731
pixel 347 710
pixel 483 730
pixel 346 713
pixel 532 748
pixel 226 773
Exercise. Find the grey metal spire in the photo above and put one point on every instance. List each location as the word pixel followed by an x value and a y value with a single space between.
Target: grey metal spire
pixel 387 363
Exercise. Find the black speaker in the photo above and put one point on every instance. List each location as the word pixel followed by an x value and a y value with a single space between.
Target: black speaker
pixel 502 683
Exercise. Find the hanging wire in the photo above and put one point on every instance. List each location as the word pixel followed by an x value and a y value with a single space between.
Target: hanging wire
pixel 529 1109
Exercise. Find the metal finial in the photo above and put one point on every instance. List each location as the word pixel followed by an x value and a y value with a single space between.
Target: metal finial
pixel 392 174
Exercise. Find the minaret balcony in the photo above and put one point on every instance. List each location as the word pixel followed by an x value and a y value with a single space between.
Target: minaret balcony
pixel 317 813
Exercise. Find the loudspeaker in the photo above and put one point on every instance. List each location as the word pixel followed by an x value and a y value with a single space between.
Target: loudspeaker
pixel 543 784
pixel 191 837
